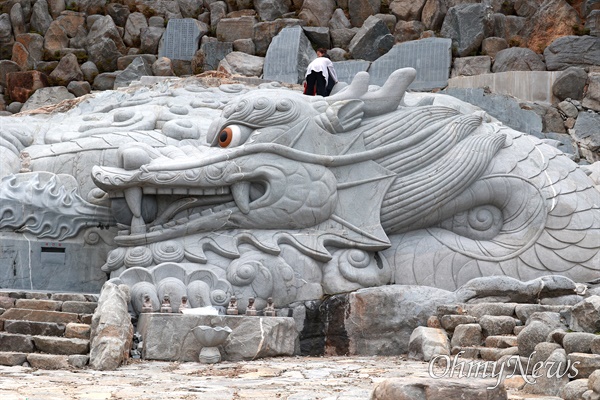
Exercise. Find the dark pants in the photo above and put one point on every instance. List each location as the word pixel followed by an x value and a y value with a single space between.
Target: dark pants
pixel 315 84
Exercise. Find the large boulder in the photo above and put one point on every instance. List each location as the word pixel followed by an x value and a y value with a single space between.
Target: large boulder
pixel 269 10
pixel 592 96
pixel 570 84
pixel 40 17
pixel 67 71
pixel 118 12
pixel 47 96
pixel 467 25
pixel 230 29
pixel 55 40
pixel 135 70
pixel 17 20
pixel 238 63
pixel 372 40
pixel 150 39
pixel 517 59
pixel 21 85
pixel 361 10
pixel 553 19
pixel 111 328
pixel 28 50
pixel 572 51
pixel 407 10
pixel 317 12
pixel 105 45
pixel 136 23
pixel 427 343
pixel 509 27
pixel 6 37
pixel 586 314
pixel 434 11
pixel 537 329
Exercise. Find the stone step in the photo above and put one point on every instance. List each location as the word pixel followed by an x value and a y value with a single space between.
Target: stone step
pixel 34 328
pixel 79 307
pixel 16 342
pixel 55 361
pixel 11 358
pixel 36 304
pixel 21 294
pixel 24 314
pixel 57 345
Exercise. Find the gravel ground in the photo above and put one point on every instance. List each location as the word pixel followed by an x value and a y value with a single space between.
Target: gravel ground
pixel 291 378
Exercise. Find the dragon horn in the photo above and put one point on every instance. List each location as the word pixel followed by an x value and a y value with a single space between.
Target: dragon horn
pixel 381 101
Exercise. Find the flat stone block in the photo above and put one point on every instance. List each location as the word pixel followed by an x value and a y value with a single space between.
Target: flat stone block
pixel 67 346
pixel 501 342
pixel 169 337
pixel 69 297
pixel 35 304
pixel 40 316
pixel 586 364
pixel 10 358
pixel 438 389
pixel 48 361
pixel 432 58
pixel 524 311
pixel 496 309
pixel 78 360
pixel 492 354
pixel 86 318
pixel 16 343
pixel 450 322
pixel 6 302
pixel 34 328
pixel 79 307
pixel 78 331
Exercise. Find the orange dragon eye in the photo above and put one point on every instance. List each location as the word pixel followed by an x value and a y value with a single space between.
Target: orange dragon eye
pixel 225 137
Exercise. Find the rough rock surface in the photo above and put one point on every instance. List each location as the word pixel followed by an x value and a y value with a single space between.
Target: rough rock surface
pixel 111 329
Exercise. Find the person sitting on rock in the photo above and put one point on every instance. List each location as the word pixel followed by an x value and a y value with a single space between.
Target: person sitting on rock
pixel 320 75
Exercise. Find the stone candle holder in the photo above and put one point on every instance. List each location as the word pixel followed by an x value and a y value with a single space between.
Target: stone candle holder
pixel 210 339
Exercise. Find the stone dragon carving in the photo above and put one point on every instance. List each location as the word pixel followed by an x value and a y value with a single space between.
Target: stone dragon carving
pixel 293 197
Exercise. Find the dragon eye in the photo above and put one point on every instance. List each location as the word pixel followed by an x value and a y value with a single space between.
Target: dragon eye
pixel 232 135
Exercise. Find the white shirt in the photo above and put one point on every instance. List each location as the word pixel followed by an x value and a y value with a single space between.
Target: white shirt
pixel 322 65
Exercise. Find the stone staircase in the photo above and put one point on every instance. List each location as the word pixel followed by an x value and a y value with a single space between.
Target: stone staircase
pixel 45 330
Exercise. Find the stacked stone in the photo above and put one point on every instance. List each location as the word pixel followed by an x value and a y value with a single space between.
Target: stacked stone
pixel 45 330
pixel 551 349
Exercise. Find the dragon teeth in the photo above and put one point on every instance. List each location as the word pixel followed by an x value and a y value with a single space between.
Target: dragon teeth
pixel 241 196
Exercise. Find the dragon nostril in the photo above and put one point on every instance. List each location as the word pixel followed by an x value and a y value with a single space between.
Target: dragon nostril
pixel 134 158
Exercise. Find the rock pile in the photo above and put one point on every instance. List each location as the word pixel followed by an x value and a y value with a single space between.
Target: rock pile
pixel 545 349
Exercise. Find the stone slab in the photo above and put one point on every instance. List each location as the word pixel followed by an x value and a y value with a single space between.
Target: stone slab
pixel 66 346
pixel 48 361
pixel 78 331
pixel 288 56
pixel 34 328
pixel 524 85
pixel 33 304
pixel 40 316
pixel 10 358
pixel 169 337
pixel 438 389
pixel 79 307
pixel 431 57
pixel 181 39
pixel 346 70
pixel 214 52
pixel 15 342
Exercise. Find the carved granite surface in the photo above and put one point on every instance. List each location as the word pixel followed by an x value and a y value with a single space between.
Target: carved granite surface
pixel 209 192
